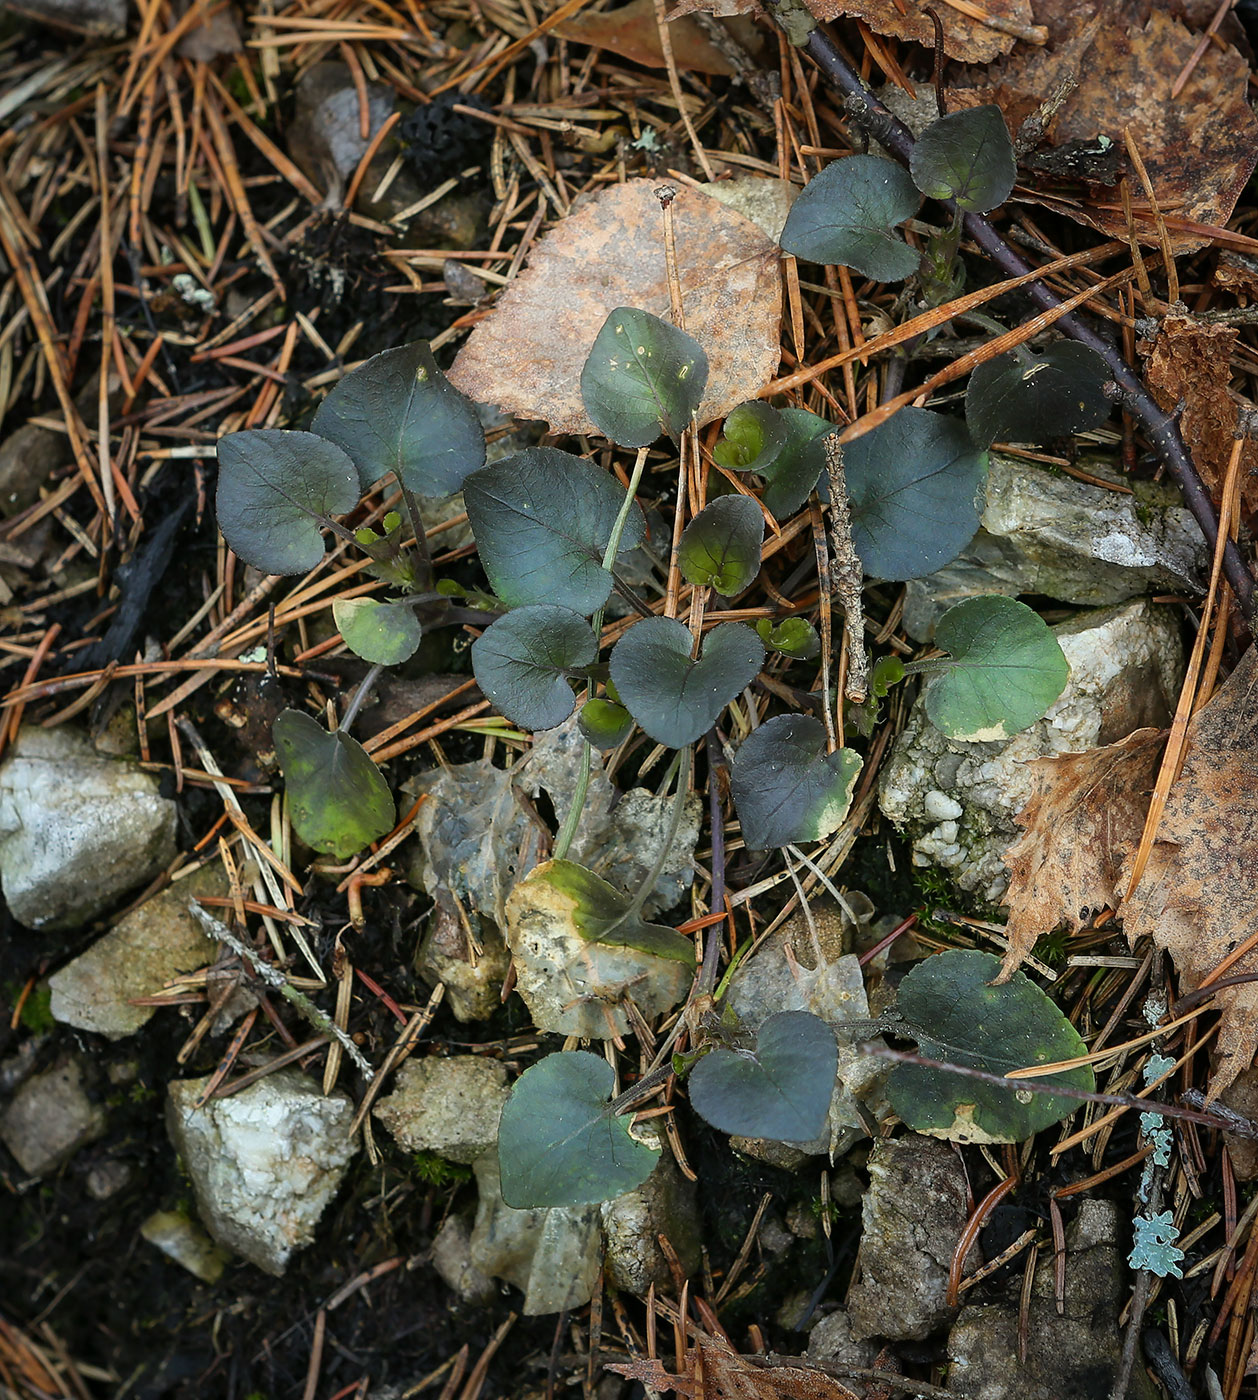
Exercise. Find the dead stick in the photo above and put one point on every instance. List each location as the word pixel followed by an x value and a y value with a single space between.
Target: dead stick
pixel 846 574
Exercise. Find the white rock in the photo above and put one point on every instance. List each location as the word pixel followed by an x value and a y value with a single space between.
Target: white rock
pixel 50 1117
pixel 940 807
pixel 452 1259
pixel 632 1225
pixel 76 830
pixel 448 1106
pixel 264 1163
pixel 1125 669
pixel 186 1243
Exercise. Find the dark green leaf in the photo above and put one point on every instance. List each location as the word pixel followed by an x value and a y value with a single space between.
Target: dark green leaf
pixel 847 214
pixel 643 377
pixel 1006 669
pixel 558 1143
pixel 781 1091
pixel 604 723
pixel 522 663
pixel 793 636
pixel 799 463
pixel 956 1015
pixel 966 156
pixel 337 797
pixel 914 484
pixel 752 437
pixel 786 787
pixel 542 520
pixel 276 490
pixel 675 699
pixel 386 634
pixel 720 548
pixel 1058 392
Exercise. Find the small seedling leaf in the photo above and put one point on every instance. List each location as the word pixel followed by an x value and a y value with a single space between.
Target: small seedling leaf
pixel 914 484
pixel 802 458
pixel 780 1091
pixel 1037 398
pixel 751 438
pixel 720 548
pixel 847 215
pixel 386 634
pixel 675 699
pixel 950 1006
pixel 338 798
pixel 398 413
pixel 966 156
pixel 1006 669
pixel 795 637
pixel 276 491
pixel 786 787
pixel 558 1142
pixel 542 520
pixel 604 723
pixel 643 378
pixel 522 663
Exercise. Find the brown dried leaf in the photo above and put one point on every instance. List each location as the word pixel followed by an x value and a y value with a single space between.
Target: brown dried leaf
pixel 1191 360
pixel 1083 824
pixel 715 1371
pixel 526 355
pixel 1197 895
pixel 964 38
pixel 632 32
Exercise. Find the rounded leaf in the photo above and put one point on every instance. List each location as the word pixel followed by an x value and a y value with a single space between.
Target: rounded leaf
pixel 643 377
pixel 604 723
pixel 786 787
pixel 276 491
pixel 780 1091
pixel 1006 669
pixel 914 485
pixel 1035 400
pixel 751 438
pixel 795 637
pixel 398 413
pixel 847 215
pixel 558 1142
pixel 799 463
pixel 386 634
pixel 542 520
pixel 720 548
pixel 523 660
pixel 951 1007
pixel 677 700
pixel 337 797
pixel 966 156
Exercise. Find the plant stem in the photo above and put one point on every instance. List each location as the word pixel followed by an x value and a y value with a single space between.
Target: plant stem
pixel 422 556
pixel 706 981
pixel 356 703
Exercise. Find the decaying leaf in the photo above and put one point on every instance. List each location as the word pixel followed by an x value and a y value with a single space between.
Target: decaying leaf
pixel 526 356
pixel 1082 824
pixel 963 38
pixel 632 32
pixel 1196 897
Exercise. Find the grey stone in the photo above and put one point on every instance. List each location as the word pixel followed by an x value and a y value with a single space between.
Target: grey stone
pixel 665 1204
pixel 50 1117
pixel 28 458
pixel 325 137
pixel 913 1215
pixel 106 18
pixel 1125 668
pixel 452 1259
pixel 264 1163
pixel 448 1106
pixel 473 978
pixel 831 1342
pixel 136 958
pixel 1054 535
pixel 76 830
pixel 185 1242
pixel 108 1178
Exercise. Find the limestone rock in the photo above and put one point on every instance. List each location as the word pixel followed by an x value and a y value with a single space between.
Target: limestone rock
pixel 148 947
pixel 186 1243
pixel 325 137
pixel 664 1204
pixel 448 1106
pixel 50 1117
pixel 452 1259
pixel 264 1163
pixel 76 830
pixel 831 1342
pixel 473 979
pixel 958 800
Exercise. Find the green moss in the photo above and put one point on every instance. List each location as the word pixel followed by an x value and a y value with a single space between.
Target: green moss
pixel 433 1170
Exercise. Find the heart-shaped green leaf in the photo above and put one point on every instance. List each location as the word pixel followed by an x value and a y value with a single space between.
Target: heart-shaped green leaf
pixel 604 723
pixel 1006 669
pixel 955 1014
pixel 914 485
pixel 793 636
pixel 643 377
pixel 677 700
pixel 780 1091
pixel 523 661
pixel 1035 398
pixel 398 413
pixel 276 491
pixel 386 634
pixel 751 438
pixel 799 463
pixel 966 156
pixel 847 215
pixel 558 1142
pixel 720 548
pixel 337 797
pixel 542 520
pixel 786 787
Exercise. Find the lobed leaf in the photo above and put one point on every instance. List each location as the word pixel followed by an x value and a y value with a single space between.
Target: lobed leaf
pixel 847 216
pixel 966 156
